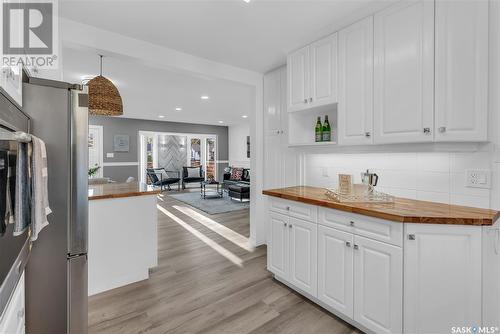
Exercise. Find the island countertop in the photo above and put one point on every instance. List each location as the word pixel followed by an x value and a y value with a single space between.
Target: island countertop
pixel 120 190
pixel 402 210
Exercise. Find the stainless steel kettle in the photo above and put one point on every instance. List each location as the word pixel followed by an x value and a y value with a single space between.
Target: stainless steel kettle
pixel 368 178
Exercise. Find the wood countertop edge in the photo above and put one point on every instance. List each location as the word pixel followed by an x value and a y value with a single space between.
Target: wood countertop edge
pixel 124 195
pixel 421 219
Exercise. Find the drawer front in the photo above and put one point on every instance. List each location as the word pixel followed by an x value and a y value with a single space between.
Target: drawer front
pixel 295 209
pixel 374 228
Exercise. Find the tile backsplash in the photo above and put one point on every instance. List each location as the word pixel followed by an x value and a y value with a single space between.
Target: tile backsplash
pixel 435 176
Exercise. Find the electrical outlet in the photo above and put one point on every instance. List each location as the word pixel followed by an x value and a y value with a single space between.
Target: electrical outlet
pixel 478 178
pixel 324 172
pixel 110 155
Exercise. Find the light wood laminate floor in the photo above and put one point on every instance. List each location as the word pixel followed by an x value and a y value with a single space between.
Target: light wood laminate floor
pixel 208 280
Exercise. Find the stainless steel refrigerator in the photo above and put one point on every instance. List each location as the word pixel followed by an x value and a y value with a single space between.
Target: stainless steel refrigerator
pixel 56 273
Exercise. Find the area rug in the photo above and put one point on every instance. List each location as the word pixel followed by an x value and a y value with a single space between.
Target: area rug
pixel 211 205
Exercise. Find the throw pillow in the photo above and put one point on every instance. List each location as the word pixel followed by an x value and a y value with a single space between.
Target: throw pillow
pixel 194 172
pixel 236 174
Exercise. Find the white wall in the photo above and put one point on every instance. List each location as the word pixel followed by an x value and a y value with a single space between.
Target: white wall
pixel 237 142
pixel 432 176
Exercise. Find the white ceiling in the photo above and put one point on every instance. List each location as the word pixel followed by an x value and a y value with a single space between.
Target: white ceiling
pixel 255 36
pixel 149 92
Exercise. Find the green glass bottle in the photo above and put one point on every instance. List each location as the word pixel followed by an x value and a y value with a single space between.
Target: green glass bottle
pixel 318 130
pixel 326 133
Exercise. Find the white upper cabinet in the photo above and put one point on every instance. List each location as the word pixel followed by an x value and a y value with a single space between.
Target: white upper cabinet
pixel 272 103
pixel 323 89
pixel 378 285
pixel 312 75
pixel 461 70
pixel 298 79
pixel 355 108
pixel 404 73
pixel 442 271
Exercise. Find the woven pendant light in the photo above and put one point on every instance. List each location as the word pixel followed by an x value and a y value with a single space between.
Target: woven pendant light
pixel 104 97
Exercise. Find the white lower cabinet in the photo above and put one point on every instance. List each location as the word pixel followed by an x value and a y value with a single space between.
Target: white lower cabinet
pixel 442 278
pixel 378 285
pixel 335 269
pixel 356 266
pixel 303 255
pixel 293 251
pixel 278 246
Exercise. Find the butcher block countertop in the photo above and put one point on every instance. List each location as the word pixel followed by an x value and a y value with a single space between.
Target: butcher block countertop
pixel 402 210
pixel 120 190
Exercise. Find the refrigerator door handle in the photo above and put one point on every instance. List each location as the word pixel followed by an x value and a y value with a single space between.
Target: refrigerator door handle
pixel 78 227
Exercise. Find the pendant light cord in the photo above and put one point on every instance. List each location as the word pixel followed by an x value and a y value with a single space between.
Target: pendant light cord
pixel 100 66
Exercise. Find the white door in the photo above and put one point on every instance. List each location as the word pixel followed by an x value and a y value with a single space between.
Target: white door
pixel 335 269
pixel 298 64
pixel 278 246
pixel 404 73
pixel 272 103
pixel 461 70
pixel 355 108
pixel 96 148
pixel 323 71
pixel 303 251
pixel 378 285
pixel 442 277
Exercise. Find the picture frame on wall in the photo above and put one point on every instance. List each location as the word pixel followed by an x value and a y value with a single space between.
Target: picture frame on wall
pixel 121 143
pixel 248 147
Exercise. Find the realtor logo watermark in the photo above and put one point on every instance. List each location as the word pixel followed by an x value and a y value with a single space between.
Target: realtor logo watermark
pixel 474 330
pixel 30 34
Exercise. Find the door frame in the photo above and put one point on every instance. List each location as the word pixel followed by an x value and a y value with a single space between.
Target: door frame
pixel 100 130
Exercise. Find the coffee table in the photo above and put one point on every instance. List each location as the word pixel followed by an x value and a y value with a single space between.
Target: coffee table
pixel 211 189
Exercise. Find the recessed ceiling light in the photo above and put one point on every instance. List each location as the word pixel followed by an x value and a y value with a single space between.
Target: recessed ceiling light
pixel 178 109
pixel 205 97
pixel 161 116
pixel 247 1
pixel 220 122
pixel 244 116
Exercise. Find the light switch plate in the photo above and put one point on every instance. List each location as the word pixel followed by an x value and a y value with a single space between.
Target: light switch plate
pixel 478 178
pixel 110 155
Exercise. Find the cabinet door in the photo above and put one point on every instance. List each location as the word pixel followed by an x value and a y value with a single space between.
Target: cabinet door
pixel 323 71
pixel 378 285
pixel 335 269
pixel 404 73
pixel 303 250
pixel 355 108
pixel 298 79
pixel 272 103
pixel 273 163
pixel 461 70
pixel 442 277
pixel 277 260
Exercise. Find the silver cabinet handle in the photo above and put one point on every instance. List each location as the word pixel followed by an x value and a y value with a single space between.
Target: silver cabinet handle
pixel 305 100
pixel 427 130
pixel 411 236
pixel 351 223
pixel 442 129
pixel 290 226
pixel 368 134
pixel 356 247
pixel 348 244
pixel 310 99
pixel 278 132
pixel 286 224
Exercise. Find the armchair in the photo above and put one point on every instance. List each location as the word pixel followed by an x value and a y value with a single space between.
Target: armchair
pixel 159 177
pixel 192 175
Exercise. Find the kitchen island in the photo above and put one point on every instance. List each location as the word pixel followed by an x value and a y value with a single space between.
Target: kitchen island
pixel 122 234
pixel 403 267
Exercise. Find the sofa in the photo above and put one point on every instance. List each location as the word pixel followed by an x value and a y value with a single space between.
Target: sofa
pixel 245 177
pixel 237 183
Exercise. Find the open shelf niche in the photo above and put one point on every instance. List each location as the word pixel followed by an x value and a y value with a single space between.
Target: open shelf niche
pixel 301 125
